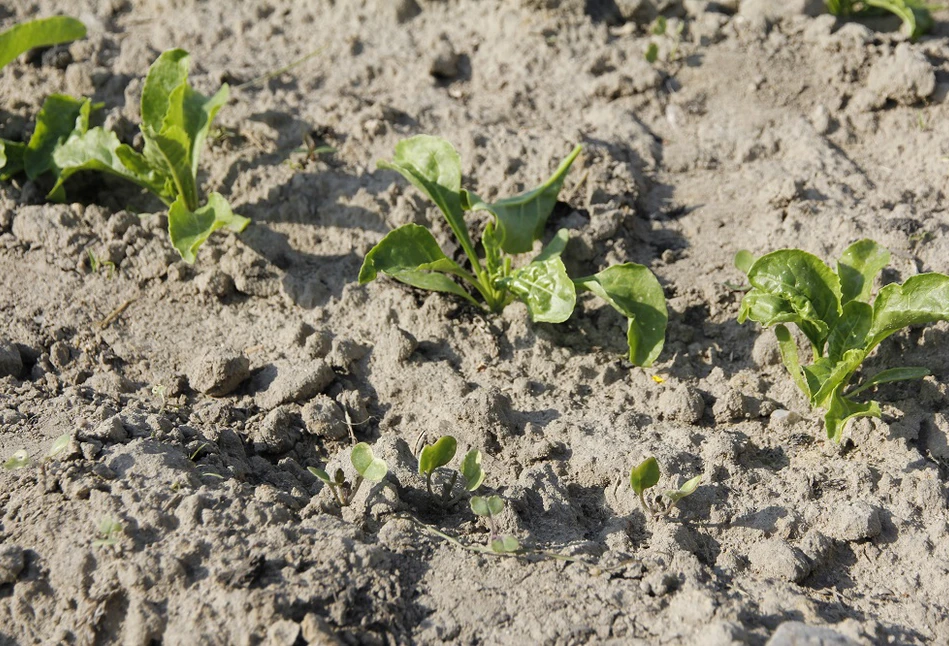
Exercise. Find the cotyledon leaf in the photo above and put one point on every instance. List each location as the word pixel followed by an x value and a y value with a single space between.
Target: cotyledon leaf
pixel 644 476
pixel 521 219
pixel 38 33
pixel 545 288
pixel 858 266
pixel 437 455
pixel 367 465
pixel 189 229
pixel 635 293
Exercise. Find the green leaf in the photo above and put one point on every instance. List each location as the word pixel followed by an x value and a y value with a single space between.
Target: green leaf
pixel 167 73
pixel 471 470
pixel 644 476
pixel 434 167
pixel 890 375
pixel 367 465
pixel 490 506
pixel 851 329
pixel 634 292
pixel 545 288
pixel 60 444
pixel 411 255
pixel 437 455
pixel 13 152
pixel 687 489
pixel 789 357
pixel 857 267
pixel 61 117
pixel 921 299
pixel 555 247
pixel 168 151
pixel 838 377
pixel 796 287
pixel 189 229
pixel 38 33
pixel 100 150
pixel 652 53
pixel 3 155
pixel 505 545
pixel 521 219
pixel 495 505
pixel 744 260
pixel 842 410
pixel 321 474
pixel 18 460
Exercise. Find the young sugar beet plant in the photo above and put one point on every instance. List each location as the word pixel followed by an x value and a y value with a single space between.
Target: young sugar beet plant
pixel 368 467
pixel 411 254
pixel 842 324
pixel 175 124
pixel 646 475
pixel 437 455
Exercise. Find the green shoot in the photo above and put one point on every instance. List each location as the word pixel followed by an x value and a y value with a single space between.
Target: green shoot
pixel 368 467
pixel 437 455
pixel 915 14
pixel 489 508
pixel 18 460
pixel 109 532
pixel 38 33
pixel 411 254
pixel 21 459
pixel 835 313
pixel 646 476
pixel 96 264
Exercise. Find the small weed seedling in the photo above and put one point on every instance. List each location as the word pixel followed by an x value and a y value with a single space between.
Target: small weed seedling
pixel 489 508
pixel 175 124
pixel 96 264
pixel 411 254
pixel 109 532
pixel 368 467
pixel 646 476
pixel 437 455
pixel 834 311
pixel 21 458
pixel 915 14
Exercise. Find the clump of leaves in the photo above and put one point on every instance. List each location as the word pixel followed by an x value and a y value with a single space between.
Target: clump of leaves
pixel 59 112
pixel 835 313
pixel 915 14
pixel 437 455
pixel 646 475
pixel 489 508
pixel 109 532
pixel 368 467
pixel 411 254
pixel 175 124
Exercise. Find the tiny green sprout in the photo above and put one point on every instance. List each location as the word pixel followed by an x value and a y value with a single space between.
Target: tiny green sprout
pixel 652 53
pixel 109 530
pixel 96 264
pixel 18 460
pixel 60 444
pixel 368 467
pixel 439 454
pixel 643 477
pixel 687 489
pixel 489 508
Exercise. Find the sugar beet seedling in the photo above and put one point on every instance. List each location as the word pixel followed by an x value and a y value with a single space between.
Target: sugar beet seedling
pixel 440 453
pixel 411 254
pixel 646 475
pixel 834 312
pixel 368 467
pixel 489 508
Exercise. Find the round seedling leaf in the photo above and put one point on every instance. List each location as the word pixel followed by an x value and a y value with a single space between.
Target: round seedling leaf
pixel 479 505
pixel 495 505
pixel 321 474
pixel 59 446
pixel 505 545
pixel 644 476
pixel 687 489
pixel 18 460
pixel 367 465
pixel 471 470
pixel 437 455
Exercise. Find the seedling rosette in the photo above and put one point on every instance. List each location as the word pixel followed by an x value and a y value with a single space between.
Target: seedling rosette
pixel 175 124
pixel 411 254
pixel 646 475
pixel 439 454
pixel 489 508
pixel 834 311
pixel 368 467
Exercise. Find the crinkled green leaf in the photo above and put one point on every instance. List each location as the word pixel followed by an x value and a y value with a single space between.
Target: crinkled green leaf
pixel 521 219
pixel 841 410
pixel 437 455
pixel 12 153
pixel 921 299
pixel 890 375
pixel 857 267
pixel 797 282
pixel 838 377
pixel 44 32
pixel 189 229
pixel 744 259
pixel 471 470
pixel 545 288
pixel 60 118
pixel 434 167
pixel 411 254
pixel 367 465
pixel 789 357
pixel 635 293
pixel 169 152
pixel 167 73
pixel 99 150
pixel 3 155
pixel 645 475
pixel 193 113
pixel 851 329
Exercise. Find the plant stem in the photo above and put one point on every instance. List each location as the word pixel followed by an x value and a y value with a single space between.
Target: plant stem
pixel 642 500
pixel 352 494
pixel 428 484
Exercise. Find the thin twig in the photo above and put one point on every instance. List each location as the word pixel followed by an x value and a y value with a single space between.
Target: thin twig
pixel 277 72
pixel 114 314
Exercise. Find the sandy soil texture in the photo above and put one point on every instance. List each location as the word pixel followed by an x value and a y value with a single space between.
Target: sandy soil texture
pixel 196 396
